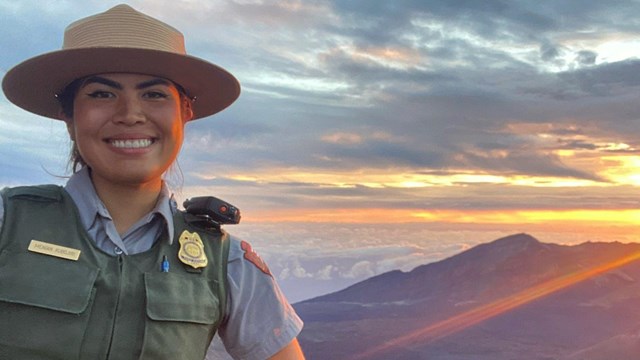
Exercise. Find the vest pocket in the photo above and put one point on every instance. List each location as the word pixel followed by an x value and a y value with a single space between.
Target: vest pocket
pixel 182 314
pixel 44 304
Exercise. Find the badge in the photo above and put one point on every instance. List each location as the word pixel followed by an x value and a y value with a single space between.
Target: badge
pixel 64 252
pixel 192 250
pixel 254 258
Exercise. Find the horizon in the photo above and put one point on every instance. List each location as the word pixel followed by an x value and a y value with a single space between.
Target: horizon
pixel 377 136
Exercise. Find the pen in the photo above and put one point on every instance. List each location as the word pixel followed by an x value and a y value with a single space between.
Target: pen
pixel 164 267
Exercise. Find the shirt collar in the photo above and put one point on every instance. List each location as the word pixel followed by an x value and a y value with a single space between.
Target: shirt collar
pixel 166 207
pixel 84 195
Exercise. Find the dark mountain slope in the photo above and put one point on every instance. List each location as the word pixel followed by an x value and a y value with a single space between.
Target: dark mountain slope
pixel 496 301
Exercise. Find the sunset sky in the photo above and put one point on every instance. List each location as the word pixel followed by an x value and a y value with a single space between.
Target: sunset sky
pixel 379 135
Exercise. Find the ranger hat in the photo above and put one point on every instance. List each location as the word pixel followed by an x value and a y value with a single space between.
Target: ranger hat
pixel 120 40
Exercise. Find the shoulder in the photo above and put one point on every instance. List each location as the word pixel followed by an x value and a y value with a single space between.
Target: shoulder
pixel 10 197
pixel 35 192
pixel 242 253
pixel 260 321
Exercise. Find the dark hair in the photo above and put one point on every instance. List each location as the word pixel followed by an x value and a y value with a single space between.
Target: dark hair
pixel 67 95
pixel 66 98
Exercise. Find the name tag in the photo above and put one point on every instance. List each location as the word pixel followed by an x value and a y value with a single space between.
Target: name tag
pixel 54 250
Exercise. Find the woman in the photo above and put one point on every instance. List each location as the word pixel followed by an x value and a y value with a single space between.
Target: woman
pixel 108 268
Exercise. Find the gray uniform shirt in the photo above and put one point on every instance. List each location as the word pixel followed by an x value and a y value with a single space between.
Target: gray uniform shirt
pixel 260 321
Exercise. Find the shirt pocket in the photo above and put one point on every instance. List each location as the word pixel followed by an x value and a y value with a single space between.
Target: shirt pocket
pixel 182 316
pixel 44 305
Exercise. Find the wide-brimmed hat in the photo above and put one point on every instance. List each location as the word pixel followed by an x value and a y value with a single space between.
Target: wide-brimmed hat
pixel 120 40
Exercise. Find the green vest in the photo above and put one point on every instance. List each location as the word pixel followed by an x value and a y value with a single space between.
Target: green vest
pixel 101 306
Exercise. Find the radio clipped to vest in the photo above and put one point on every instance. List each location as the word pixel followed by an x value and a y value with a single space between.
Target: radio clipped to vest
pixel 210 212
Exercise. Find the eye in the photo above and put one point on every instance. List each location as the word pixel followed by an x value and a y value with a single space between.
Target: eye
pixel 100 94
pixel 155 95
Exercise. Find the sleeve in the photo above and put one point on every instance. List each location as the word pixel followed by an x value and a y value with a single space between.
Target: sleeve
pixel 260 321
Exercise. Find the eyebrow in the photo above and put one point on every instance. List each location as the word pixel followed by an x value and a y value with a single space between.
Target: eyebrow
pixel 153 82
pixel 101 80
pixel 117 85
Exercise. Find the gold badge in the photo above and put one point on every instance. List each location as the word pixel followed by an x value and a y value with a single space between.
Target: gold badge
pixel 192 250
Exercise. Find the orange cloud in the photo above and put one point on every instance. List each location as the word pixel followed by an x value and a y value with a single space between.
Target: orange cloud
pixel 587 218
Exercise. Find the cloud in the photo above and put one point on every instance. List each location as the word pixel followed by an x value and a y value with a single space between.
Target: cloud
pixel 525 162
pixel 326 273
pixel 343 138
pixel 34 149
pixel 443 77
pixel 586 57
pixel 361 269
pixel 606 79
pixel 549 52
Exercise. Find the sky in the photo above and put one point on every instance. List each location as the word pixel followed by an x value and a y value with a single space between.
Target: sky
pixel 380 135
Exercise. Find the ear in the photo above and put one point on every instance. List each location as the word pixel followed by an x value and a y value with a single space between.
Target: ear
pixel 69 122
pixel 187 109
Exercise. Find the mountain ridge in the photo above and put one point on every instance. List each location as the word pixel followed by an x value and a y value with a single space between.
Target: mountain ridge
pixel 510 246
pixel 518 270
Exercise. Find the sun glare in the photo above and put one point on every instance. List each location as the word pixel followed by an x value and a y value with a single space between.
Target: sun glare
pixel 626 170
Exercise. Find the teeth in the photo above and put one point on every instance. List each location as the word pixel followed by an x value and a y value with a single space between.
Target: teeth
pixel 133 144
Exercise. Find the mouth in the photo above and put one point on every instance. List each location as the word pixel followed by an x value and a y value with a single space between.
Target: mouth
pixel 131 143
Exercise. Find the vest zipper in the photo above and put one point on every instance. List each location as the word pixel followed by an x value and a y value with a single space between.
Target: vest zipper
pixel 115 315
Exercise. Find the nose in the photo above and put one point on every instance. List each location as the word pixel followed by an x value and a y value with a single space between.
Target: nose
pixel 130 111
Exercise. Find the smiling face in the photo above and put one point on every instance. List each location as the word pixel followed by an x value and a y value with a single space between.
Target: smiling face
pixel 128 128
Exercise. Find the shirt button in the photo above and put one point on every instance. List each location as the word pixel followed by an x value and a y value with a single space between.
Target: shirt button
pixel 117 250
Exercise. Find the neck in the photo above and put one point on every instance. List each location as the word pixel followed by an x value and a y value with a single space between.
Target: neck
pixel 127 203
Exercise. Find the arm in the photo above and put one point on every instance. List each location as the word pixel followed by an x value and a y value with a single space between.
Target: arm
pixel 259 321
pixel 290 352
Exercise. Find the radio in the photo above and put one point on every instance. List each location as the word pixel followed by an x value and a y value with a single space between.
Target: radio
pixel 212 209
